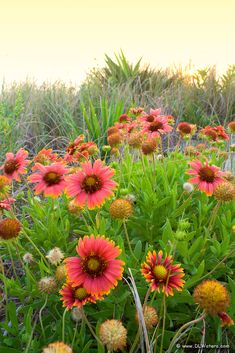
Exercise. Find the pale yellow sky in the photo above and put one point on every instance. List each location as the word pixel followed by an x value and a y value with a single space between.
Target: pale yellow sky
pixel 63 39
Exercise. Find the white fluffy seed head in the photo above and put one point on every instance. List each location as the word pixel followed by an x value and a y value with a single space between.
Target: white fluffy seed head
pixel 76 314
pixel 55 256
pixel 28 258
pixel 188 187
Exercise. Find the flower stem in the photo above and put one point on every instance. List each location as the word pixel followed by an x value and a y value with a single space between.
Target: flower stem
pixel 174 340
pixel 128 240
pixel 63 324
pixel 12 261
pixel 35 247
pixel 164 323
pixel 40 317
pixel 90 327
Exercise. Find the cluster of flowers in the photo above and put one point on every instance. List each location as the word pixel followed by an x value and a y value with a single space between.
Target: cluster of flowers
pixel 97 268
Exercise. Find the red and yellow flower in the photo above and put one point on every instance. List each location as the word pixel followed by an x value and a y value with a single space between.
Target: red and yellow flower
pixel 205 176
pixel 15 165
pixel 76 296
pixel 97 268
pixel 162 274
pixel 49 179
pixel 91 185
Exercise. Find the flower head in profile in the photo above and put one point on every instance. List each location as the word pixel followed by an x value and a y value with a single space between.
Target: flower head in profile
pixel 91 185
pixel 4 186
pixel 157 127
pixel 213 297
pixel 185 129
pixel 15 165
pixel 5 204
pixel 49 179
pixel 162 274
pixel 76 296
pixel 205 176
pixel 97 268
pixel 45 157
pixel 231 127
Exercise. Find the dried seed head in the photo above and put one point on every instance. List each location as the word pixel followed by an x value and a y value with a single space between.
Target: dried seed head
pixel 61 273
pixel 188 187
pixel 113 335
pixel 9 228
pixel 225 192
pixel 55 256
pixel 150 317
pixel 47 285
pixel 121 209
pixel 76 314
pixel 28 258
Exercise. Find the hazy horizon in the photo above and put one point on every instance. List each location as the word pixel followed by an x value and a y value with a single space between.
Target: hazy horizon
pixel 62 40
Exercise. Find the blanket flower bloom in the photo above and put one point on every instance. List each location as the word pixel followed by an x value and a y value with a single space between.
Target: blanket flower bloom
pixel 49 179
pixel 157 127
pixel 96 268
pixel 91 185
pixel 185 129
pixel 45 157
pixel 162 274
pixel 205 176
pixel 76 296
pixel 15 165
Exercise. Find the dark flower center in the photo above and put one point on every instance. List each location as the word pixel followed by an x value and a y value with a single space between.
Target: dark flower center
pixel 155 126
pixel 207 174
pixel 185 128
pixel 71 149
pixel 11 166
pixel 150 118
pixel 91 184
pixel 94 265
pixel 52 178
pixel 80 293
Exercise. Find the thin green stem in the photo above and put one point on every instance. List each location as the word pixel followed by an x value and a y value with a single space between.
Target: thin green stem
pixel 31 336
pixel 75 331
pixel 128 240
pixel 164 323
pixel 35 247
pixel 40 317
pixel 12 261
pixel 63 324
pixel 90 328
pixel 5 285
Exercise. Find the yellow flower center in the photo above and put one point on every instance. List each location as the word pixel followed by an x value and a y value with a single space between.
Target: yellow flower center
pixel 160 272
pixel 80 293
pixel 91 184
pixel 93 264
pixel 52 178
